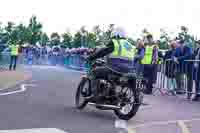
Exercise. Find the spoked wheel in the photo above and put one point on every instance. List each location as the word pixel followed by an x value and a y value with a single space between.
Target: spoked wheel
pixel 129 104
pixel 82 92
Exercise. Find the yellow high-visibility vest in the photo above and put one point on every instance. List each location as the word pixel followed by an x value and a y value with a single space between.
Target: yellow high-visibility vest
pixel 14 50
pixel 148 55
pixel 123 49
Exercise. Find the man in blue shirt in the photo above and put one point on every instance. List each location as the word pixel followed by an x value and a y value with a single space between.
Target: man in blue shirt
pixel 181 54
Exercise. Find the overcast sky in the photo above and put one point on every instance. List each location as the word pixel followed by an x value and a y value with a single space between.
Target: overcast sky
pixel 134 15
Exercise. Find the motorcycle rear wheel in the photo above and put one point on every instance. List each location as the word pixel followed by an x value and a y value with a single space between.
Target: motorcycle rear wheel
pixel 133 109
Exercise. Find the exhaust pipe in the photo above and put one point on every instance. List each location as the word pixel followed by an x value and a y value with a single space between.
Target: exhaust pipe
pixel 105 105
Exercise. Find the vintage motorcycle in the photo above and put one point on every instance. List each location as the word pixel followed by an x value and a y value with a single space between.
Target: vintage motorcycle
pixel 121 93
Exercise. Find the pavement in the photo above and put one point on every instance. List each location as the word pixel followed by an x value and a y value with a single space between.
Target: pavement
pixel 46 104
pixel 11 78
pixel 3 67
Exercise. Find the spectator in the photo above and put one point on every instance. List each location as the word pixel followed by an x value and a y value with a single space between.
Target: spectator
pixel 56 52
pixel 150 63
pixel 196 56
pixel 30 55
pixel 181 54
pixel 14 54
pixel 44 54
pixel 139 55
pixel 37 55
pixel 140 50
pixel 170 67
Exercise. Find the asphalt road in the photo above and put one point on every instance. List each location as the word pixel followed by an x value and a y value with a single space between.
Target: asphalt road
pixel 50 104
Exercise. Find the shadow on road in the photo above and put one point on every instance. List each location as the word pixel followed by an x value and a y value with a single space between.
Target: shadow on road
pixel 91 113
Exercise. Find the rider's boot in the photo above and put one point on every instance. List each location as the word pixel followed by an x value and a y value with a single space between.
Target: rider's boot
pixel 93 89
pixel 94 83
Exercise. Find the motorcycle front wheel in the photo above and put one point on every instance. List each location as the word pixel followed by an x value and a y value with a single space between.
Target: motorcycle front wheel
pixel 129 104
pixel 81 92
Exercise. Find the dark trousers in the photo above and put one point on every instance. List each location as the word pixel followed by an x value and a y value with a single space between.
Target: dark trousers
pixel 101 73
pixel 98 73
pixel 13 62
pixel 180 83
pixel 150 73
pixel 189 84
pixel 197 81
pixel 197 88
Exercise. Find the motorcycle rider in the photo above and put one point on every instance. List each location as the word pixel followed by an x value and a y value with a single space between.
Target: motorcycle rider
pixel 120 55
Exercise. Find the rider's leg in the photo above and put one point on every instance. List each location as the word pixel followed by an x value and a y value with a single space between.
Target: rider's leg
pixel 98 73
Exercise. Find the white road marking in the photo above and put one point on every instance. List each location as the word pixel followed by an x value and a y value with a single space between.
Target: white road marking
pixel 22 89
pixel 183 127
pixel 159 123
pixel 145 107
pixel 131 130
pixel 121 124
pixel 37 130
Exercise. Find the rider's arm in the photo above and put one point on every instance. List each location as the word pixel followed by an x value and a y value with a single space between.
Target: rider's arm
pixel 155 55
pixel 187 54
pixel 141 54
pixel 102 52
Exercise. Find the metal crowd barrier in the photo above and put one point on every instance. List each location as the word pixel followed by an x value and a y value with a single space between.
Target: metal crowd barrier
pixel 4 61
pixel 22 59
pixel 180 77
pixel 31 59
pixel 74 61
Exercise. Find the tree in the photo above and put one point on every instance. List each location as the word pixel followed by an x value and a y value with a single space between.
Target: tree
pixel 23 33
pixel 96 29
pixel 67 40
pixel 99 35
pixel 77 40
pixel 109 31
pixel 84 34
pixel 14 35
pixel 44 39
pixel 145 32
pixel 55 39
pixel 10 26
pixel 91 40
pixel 2 35
pixel 8 30
pixel 164 39
pixel 35 28
pixel 189 39
pixel 105 35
